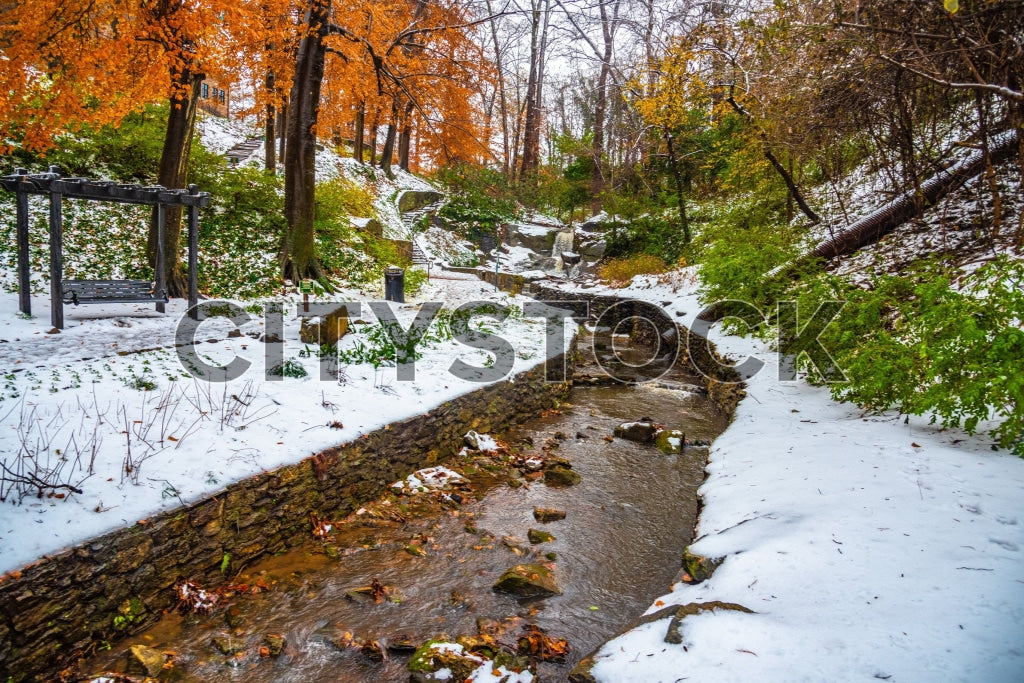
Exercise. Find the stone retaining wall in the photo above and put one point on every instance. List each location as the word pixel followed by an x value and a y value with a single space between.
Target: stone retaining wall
pixel 91 595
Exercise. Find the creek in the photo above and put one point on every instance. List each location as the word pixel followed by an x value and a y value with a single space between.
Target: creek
pixel 618 548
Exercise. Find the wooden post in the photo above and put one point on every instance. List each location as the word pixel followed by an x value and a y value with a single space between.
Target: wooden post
pixel 24 280
pixel 161 281
pixel 56 260
pixel 193 256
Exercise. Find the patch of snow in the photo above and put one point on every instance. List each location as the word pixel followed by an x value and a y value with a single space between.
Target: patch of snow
pixel 428 478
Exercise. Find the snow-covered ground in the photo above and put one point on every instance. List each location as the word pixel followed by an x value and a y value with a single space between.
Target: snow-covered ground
pixel 76 404
pixel 867 546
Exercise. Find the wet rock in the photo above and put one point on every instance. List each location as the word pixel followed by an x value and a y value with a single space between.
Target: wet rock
pixel 514 544
pixel 235 334
pixel 481 644
pixel 488 626
pixel 670 441
pixel 274 642
pixel 457 599
pixel 641 431
pixel 698 567
pixel 233 617
pixel 145 660
pixel 442 661
pixel 528 581
pixel 581 435
pixel 415 550
pixel 228 645
pixel 558 474
pixel 680 612
pixel 548 514
pixel 560 436
pixel 374 651
pixel 401 645
pixel 537 536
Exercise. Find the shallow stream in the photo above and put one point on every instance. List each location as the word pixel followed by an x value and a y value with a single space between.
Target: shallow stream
pixel 618 548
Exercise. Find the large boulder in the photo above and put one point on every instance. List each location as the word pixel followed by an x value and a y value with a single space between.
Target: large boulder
pixel 538 238
pixel 641 431
pixel 528 581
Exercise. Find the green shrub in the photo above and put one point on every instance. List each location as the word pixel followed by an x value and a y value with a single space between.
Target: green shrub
pixel 924 346
pixel 659 235
pixel 289 368
pixel 336 200
pixel 479 199
pixel 241 232
pixel 129 151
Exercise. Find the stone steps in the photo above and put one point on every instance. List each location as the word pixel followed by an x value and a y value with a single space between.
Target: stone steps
pixel 243 150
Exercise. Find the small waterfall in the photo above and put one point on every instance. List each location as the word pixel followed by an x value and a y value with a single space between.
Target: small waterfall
pixel 564 242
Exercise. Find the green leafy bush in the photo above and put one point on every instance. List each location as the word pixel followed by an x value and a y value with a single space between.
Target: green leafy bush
pixel 289 368
pixel 479 199
pixel 925 346
pixel 241 232
pixel 657 235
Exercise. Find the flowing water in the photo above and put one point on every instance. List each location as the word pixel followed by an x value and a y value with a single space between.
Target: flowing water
pixel 564 242
pixel 617 549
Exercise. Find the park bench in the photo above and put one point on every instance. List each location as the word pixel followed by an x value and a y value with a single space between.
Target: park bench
pixel 76 292
pixel 112 291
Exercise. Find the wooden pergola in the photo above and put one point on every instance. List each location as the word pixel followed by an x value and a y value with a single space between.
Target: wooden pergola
pixel 23 183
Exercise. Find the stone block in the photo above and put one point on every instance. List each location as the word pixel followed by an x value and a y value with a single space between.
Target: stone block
pixel 325 330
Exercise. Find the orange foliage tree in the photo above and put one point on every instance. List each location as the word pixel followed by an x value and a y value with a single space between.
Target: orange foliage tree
pixel 409 63
pixel 71 64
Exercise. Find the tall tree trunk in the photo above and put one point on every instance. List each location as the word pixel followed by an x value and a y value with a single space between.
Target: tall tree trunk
pixel 389 142
pixel 502 103
pixel 282 126
pixel 608 28
pixel 680 186
pixel 405 138
pixel 534 92
pixel 173 174
pixel 270 131
pixel 373 140
pixel 298 252
pixel 597 179
pixel 360 129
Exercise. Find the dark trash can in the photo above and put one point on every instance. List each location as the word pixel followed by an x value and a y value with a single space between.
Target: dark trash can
pixel 394 284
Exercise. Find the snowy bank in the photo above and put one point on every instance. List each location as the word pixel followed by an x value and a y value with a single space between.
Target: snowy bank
pixel 108 406
pixel 867 547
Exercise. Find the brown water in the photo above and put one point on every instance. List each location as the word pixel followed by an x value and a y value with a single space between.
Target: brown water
pixel 617 550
